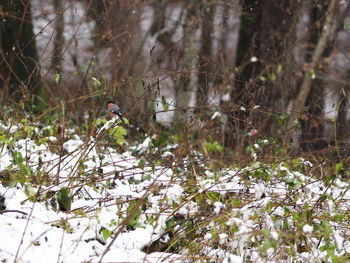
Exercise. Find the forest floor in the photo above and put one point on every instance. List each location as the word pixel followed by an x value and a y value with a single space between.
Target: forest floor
pixel 92 201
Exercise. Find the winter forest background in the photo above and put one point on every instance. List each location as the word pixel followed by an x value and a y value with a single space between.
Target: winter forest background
pixel 271 67
pixel 207 87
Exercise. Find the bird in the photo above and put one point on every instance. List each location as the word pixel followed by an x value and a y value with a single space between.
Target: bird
pixel 114 110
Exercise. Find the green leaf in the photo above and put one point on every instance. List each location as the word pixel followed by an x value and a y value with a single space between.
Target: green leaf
pixel 213 196
pixel 58 78
pixel 96 82
pixel 338 217
pixel 279 68
pixel 290 182
pixel 213 147
pixel 142 163
pixel 165 104
pixel 278 150
pixel 133 223
pixel 170 223
pixel 272 76
pixel 339 167
pixel 265 245
pixel 262 78
pixel 64 224
pixel 118 133
pixel 17 157
pixel 282 120
pixel 100 121
pixel 64 199
pixel 126 121
pixel 236 202
pixel 30 192
pixel 106 233
pixel 312 74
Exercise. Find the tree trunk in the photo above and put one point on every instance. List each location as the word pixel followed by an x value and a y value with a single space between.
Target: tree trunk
pixel 206 59
pixel 226 58
pixel 19 58
pixel 123 21
pixel 299 103
pixel 58 40
pixel 297 43
pixel 186 91
pixel 267 88
pixel 261 53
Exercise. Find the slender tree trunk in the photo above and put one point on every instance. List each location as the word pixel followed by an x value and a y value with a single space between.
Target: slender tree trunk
pixel 337 58
pixel 299 103
pixel 58 40
pixel 297 40
pixel 224 79
pixel 206 59
pixel 297 47
pixel 342 125
pixel 187 88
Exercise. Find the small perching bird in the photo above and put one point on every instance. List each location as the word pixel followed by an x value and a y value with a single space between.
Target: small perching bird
pixel 114 110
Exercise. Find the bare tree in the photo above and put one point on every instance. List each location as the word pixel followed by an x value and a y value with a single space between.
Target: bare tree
pixel 299 103
pixel 257 98
pixel 58 40
pixel 19 68
pixel 188 83
pixel 206 59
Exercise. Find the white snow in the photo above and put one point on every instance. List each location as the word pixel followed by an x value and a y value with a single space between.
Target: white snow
pixel 107 186
pixel 253 59
pixel 307 228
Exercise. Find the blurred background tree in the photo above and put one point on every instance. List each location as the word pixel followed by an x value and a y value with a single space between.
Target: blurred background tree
pixel 214 69
pixel 20 77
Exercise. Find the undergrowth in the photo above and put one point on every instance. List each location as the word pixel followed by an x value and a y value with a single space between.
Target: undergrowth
pixel 266 211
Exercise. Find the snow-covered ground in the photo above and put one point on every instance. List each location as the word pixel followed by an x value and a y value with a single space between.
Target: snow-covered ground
pixel 121 205
pixel 36 232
